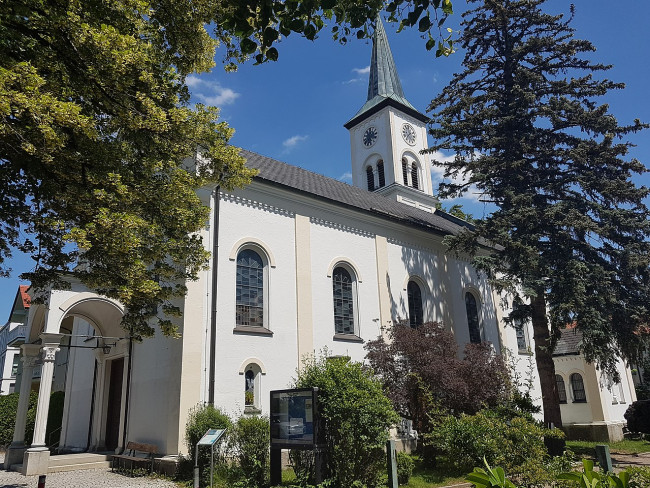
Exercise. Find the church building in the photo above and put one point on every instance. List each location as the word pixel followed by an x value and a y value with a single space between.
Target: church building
pixel 301 263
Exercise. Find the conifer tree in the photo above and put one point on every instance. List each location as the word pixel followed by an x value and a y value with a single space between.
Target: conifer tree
pixel 570 232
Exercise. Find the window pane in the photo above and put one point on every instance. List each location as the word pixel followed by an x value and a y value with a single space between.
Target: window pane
pixel 472 318
pixel 250 289
pixel 249 391
pixel 561 390
pixel 522 343
pixel 370 177
pixel 578 388
pixel 343 301
pixel 415 304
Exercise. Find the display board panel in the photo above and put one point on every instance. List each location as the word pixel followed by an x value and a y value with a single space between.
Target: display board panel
pixel 294 418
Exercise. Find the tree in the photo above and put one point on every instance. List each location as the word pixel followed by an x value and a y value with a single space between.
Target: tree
pixel 96 124
pixel 357 416
pixel 420 366
pixel 569 238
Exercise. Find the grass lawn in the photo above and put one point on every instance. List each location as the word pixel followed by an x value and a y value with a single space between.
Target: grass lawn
pixel 586 448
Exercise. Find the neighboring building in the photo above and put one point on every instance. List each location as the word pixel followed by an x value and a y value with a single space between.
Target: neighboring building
pixel 592 404
pixel 12 336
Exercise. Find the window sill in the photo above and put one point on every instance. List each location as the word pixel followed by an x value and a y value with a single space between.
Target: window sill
pixel 526 352
pixel 250 410
pixel 579 401
pixel 252 330
pixel 347 338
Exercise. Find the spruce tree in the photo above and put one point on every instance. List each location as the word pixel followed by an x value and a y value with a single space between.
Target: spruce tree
pixel 570 233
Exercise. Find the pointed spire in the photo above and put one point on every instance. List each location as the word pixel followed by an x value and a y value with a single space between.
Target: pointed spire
pixel 384 86
pixel 383 80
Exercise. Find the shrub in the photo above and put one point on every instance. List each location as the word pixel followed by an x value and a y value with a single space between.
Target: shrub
pixel 357 416
pixel 638 417
pixel 8 409
pixel 405 465
pixel 201 418
pixel 516 444
pixel 249 442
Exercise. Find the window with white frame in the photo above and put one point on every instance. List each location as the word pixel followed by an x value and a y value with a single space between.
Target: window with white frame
pixel 250 289
pixel 473 324
pixel 344 294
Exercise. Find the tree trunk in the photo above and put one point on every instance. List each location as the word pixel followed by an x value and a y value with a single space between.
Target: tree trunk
pixel 545 365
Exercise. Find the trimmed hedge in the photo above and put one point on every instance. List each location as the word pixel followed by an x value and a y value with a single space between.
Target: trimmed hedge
pixel 8 409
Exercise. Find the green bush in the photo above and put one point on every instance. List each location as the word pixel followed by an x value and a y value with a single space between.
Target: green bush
pixel 8 409
pixel 516 444
pixel 405 465
pixel 357 416
pixel 249 443
pixel 200 419
pixel 55 417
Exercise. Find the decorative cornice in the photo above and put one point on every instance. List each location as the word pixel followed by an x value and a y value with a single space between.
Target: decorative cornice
pixel 341 227
pixel 247 202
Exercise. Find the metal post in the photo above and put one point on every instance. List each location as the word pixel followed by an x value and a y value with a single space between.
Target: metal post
pixel 211 465
pixel 276 466
pixel 196 468
pixel 41 481
pixel 391 461
pixel 603 458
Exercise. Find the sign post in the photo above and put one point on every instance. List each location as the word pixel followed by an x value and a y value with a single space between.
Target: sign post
pixel 210 438
pixel 295 424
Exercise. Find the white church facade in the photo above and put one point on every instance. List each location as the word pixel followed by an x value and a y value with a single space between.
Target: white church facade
pixel 301 263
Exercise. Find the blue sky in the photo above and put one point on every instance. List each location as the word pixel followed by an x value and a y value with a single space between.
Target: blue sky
pixel 294 110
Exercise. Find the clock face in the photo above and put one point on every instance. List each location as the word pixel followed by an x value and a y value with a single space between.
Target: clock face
pixel 369 136
pixel 408 133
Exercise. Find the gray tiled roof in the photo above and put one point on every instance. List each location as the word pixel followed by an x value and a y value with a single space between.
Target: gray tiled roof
pixel 568 343
pixel 337 192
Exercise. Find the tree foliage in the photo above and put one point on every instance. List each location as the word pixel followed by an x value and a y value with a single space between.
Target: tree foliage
pixel 571 227
pixel 419 366
pixel 357 416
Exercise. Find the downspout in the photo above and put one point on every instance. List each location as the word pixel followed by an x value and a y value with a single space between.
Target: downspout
pixel 213 317
pixel 128 394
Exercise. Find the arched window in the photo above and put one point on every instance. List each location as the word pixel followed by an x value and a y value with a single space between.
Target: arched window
pixel 472 318
pixel 405 172
pixel 414 176
pixel 380 174
pixel 578 388
pixel 343 286
pixel 252 389
pixel 250 289
pixel 415 304
pixel 249 388
pixel 370 178
pixel 561 389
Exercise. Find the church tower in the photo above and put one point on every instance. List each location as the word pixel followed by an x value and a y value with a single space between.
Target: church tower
pixel 387 135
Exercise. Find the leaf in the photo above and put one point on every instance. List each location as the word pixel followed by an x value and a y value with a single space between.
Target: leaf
pixel 272 54
pixel 447 7
pixel 248 46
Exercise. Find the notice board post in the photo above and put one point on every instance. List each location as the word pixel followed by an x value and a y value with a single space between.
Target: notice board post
pixel 295 424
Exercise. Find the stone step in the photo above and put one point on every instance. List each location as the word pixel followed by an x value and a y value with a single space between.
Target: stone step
pixel 78 466
pixel 82 458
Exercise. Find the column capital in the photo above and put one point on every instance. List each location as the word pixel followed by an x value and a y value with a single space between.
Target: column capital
pixel 30 350
pixel 49 351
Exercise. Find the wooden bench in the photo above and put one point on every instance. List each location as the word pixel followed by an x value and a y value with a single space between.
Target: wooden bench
pixel 137 454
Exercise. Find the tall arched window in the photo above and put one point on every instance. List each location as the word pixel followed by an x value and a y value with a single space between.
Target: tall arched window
pixel 405 172
pixel 380 174
pixel 249 388
pixel 472 318
pixel 343 283
pixel 415 304
pixel 561 389
pixel 370 177
pixel 578 388
pixel 250 289
pixel 414 176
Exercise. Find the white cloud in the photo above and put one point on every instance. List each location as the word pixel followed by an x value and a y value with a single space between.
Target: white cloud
pixel 437 174
pixel 347 177
pixel 210 92
pixel 293 141
pixel 362 71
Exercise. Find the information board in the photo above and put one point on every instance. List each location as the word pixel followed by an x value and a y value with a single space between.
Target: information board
pixel 294 418
pixel 211 437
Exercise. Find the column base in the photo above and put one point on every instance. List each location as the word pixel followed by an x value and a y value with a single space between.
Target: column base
pixel 36 461
pixel 14 454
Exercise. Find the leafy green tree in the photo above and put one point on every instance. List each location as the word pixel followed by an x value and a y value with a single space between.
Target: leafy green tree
pixel 571 228
pixel 96 123
pixel 357 416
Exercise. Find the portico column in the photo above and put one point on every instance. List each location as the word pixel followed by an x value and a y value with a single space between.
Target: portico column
pixel 30 356
pixel 50 347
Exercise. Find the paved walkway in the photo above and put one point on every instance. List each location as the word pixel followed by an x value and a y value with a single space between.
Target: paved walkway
pixel 624 460
pixel 89 478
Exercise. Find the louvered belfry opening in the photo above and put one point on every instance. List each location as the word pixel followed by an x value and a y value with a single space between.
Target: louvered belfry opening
pixel 371 178
pixel 414 176
pixel 380 174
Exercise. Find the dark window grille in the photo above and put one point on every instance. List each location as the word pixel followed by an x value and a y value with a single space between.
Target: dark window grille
pixel 370 178
pixel 405 172
pixel 415 304
pixel 578 388
pixel 343 301
pixel 250 289
pixel 472 318
pixel 414 176
pixel 380 173
pixel 561 389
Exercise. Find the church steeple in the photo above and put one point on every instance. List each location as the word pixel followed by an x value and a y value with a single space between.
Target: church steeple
pixel 388 135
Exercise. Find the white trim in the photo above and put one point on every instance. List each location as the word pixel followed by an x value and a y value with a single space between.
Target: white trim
pixel 345 262
pixel 255 244
pixel 248 361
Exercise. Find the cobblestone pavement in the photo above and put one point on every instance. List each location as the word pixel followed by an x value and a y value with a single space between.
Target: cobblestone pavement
pixel 90 478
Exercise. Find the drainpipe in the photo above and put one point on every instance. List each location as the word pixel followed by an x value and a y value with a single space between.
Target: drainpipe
pixel 213 317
